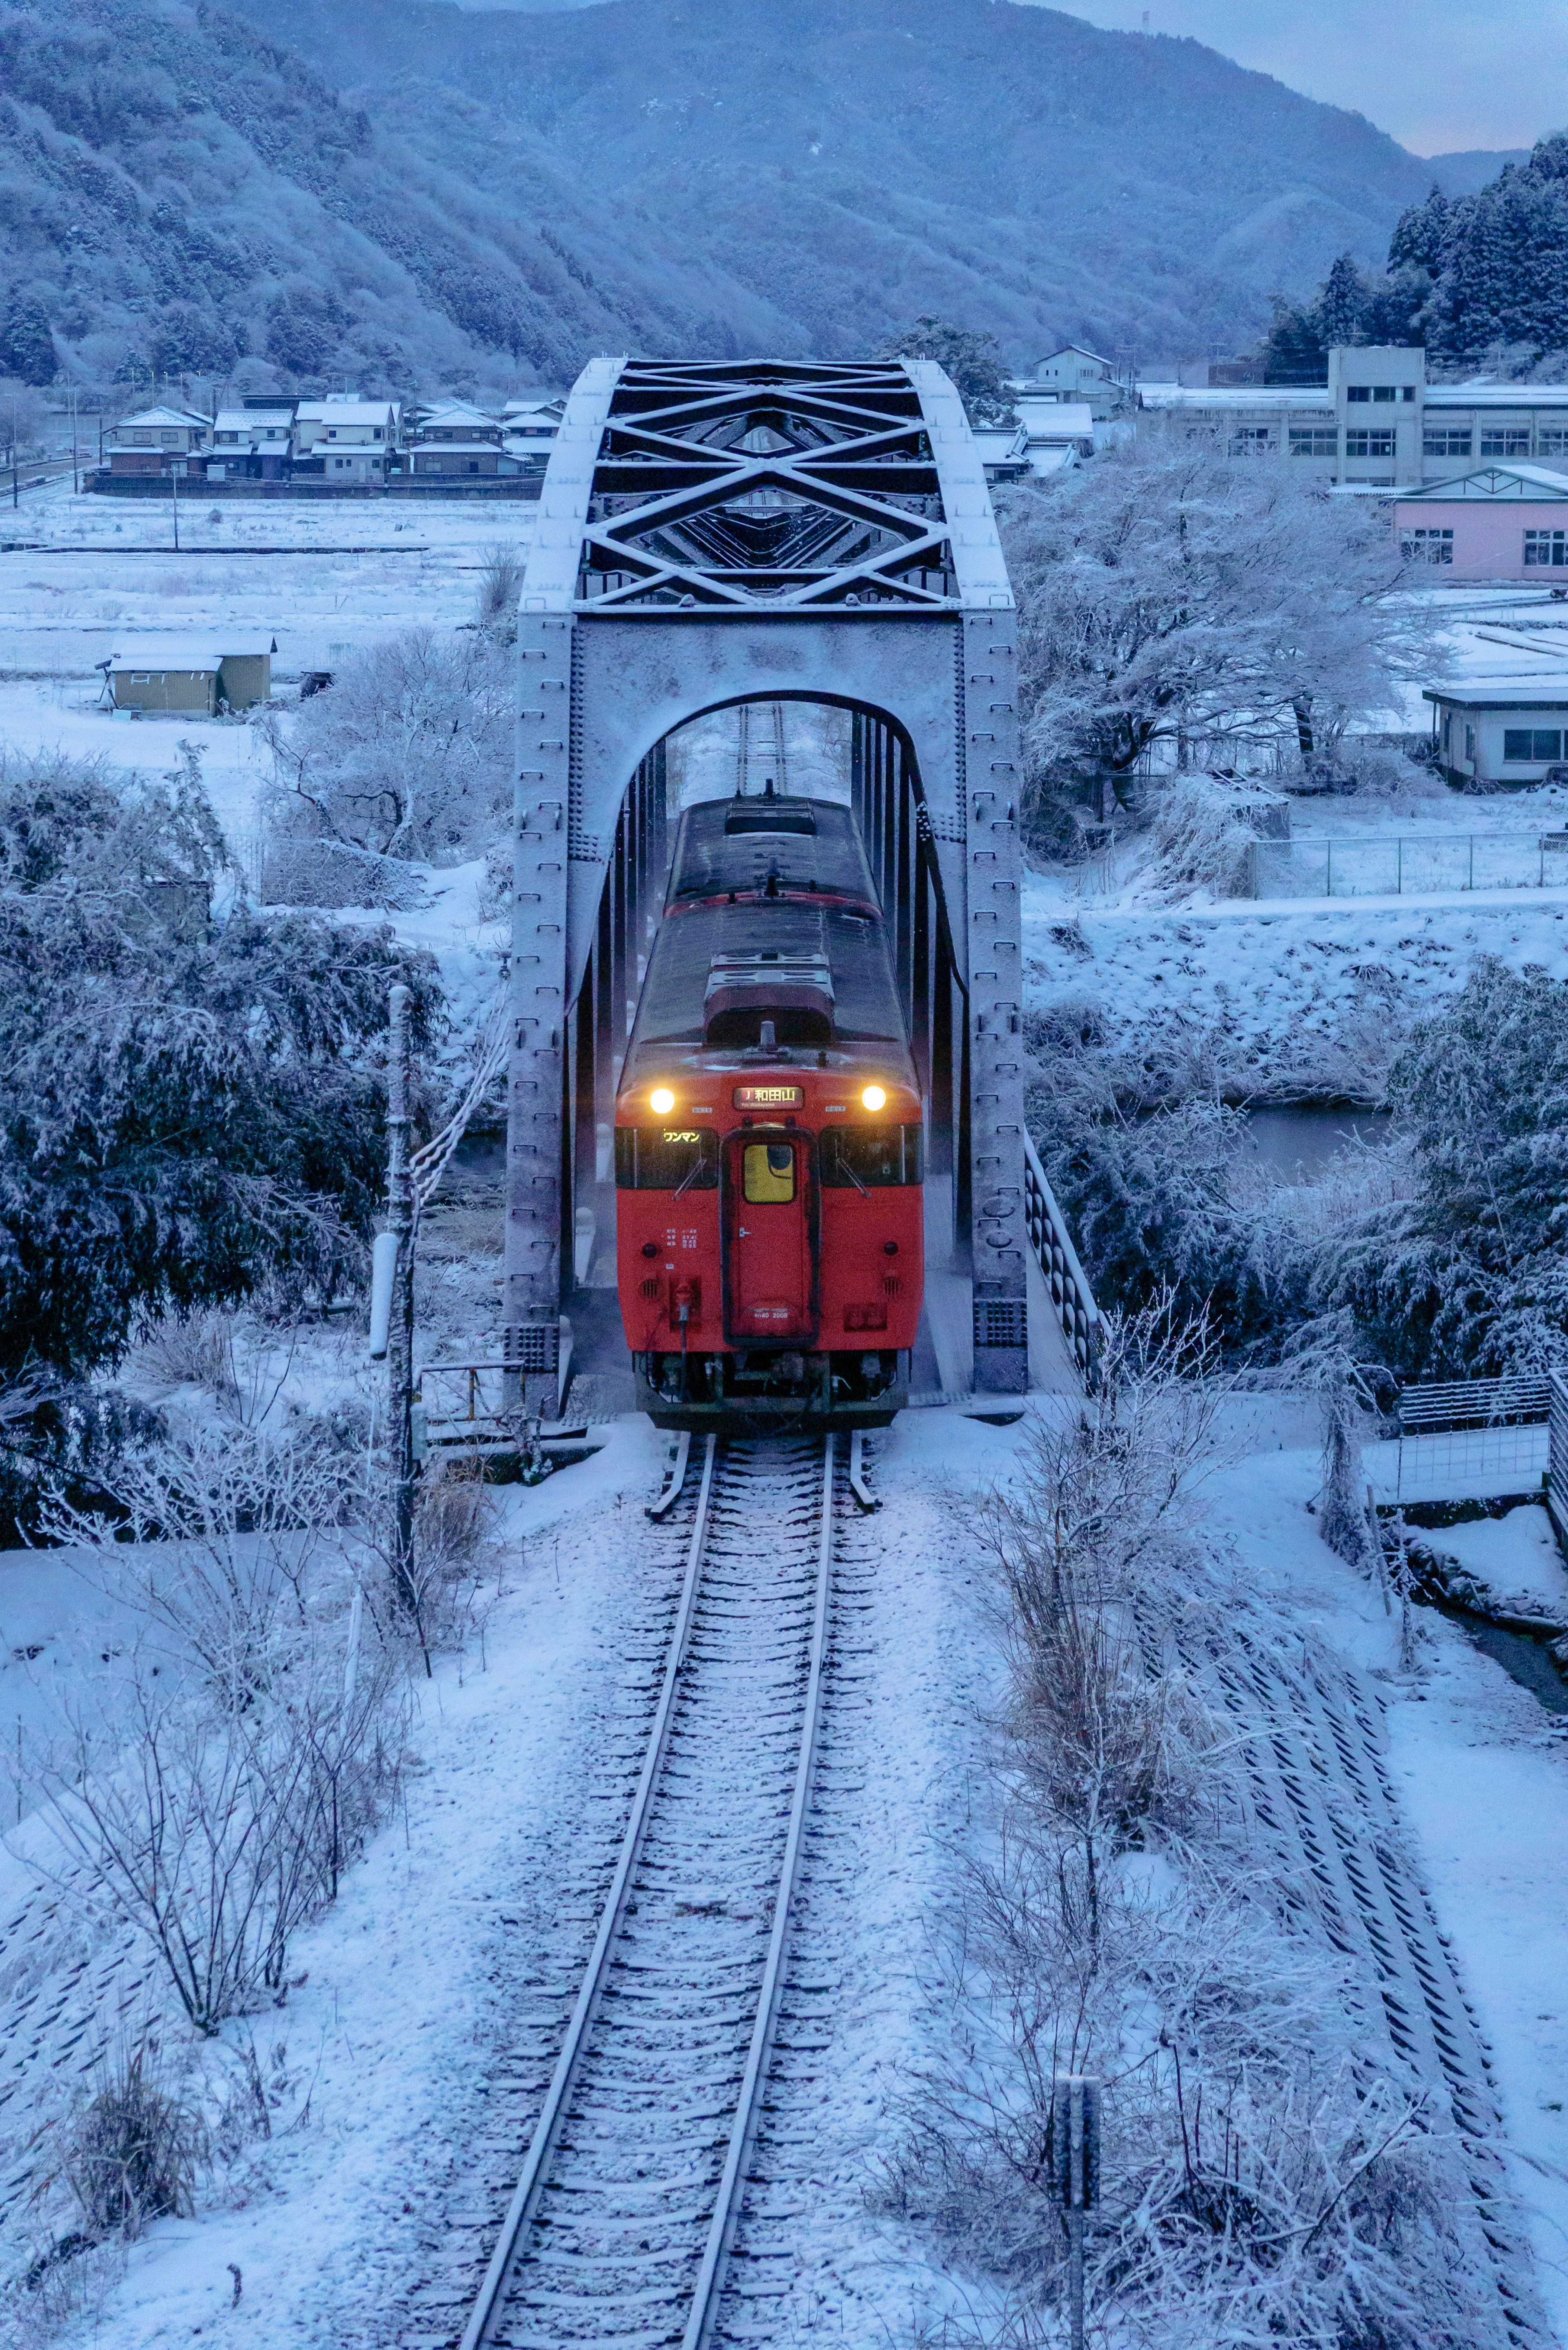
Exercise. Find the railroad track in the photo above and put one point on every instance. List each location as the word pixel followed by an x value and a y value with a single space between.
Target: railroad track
pixel 621 2223
pixel 1313 1748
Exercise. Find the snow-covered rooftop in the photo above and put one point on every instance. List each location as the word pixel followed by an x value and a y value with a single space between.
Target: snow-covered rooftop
pixel 190 652
pixel 1497 395
pixel 1546 690
pixel 1056 420
pixel 164 418
pixel 1504 478
pixel 1227 396
pixel 253 419
pixel 346 411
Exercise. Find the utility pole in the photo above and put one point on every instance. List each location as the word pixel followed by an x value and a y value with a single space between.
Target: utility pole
pixel 76 476
pixel 174 486
pixel 400 1329
pixel 1075 2152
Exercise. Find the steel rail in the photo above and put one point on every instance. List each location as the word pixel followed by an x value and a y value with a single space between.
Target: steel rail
pixel 520 2210
pixel 743 2129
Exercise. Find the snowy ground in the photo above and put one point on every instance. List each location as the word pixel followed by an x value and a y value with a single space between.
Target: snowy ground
pixel 401 2023
pixel 1482 1776
pixel 1277 980
pixel 83 576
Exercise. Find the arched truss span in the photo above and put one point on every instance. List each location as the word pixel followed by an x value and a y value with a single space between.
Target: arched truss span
pixel 710 534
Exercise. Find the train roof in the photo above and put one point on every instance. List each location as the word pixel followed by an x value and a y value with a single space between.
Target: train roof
pixel 833 949
pixel 813 846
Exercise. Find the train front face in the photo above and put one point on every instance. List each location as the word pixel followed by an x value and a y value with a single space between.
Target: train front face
pixel 770 1235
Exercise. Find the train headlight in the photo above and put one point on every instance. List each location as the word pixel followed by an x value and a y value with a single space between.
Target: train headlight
pixel 874 1098
pixel 662 1100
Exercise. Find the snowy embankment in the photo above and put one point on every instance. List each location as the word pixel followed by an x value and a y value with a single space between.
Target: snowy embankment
pixel 1278 997
pixel 1481 1775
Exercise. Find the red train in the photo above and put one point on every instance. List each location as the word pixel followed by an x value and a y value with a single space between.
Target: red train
pixel 770 1235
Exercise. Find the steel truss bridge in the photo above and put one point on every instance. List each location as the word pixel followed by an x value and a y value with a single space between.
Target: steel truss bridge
pixel 711 537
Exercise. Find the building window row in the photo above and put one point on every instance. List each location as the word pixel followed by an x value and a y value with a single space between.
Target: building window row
pixel 1542 547
pixel 1380 393
pixel 1428 546
pixel 1313 441
pixel 1533 743
pixel 1370 444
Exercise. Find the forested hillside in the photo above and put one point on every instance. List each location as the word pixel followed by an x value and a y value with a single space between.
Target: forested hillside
pixel 179 192
pixel 1478 278
pixel 410 193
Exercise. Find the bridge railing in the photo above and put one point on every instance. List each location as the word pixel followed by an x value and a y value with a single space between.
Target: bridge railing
pixel 1065 1279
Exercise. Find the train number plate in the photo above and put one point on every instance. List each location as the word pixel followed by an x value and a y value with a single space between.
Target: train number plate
pixel 769 1097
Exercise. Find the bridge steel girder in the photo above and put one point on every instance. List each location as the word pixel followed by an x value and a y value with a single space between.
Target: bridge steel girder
pixel 757 567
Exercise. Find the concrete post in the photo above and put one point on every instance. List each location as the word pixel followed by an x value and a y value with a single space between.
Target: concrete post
pixel 989 688
pixel 542 804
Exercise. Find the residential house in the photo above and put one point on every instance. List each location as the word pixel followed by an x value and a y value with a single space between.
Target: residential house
pixel 532 419
pixel 1502 730
pixel 251 444
pixel 528 432
pixel 1499 522
pixel 457 441
pixel 1075 373
pixel 345 438
pixel 191 673
pixel 1374 419
pixel 456 420
pixel 1004 450
pixel 157 442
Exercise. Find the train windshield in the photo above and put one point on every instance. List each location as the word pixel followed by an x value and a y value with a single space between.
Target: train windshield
pixel 666 1158
pixel 870 1158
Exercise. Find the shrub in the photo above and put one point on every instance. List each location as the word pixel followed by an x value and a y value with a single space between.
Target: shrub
pixel 408 752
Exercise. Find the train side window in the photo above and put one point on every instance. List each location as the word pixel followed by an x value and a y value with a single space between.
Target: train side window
pixel 666 1158
pixel 870 1158
pixel 767 1173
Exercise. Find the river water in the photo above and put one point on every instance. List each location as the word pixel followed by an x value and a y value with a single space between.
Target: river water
pixel 1297 1139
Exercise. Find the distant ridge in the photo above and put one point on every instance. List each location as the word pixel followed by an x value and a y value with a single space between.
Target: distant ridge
pixel 301 189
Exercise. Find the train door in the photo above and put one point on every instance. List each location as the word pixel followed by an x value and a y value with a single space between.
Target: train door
pixel 769 1288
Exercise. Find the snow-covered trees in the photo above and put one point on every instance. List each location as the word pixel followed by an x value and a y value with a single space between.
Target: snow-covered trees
pixel 408 752
pixel 972 360
pixel 1170 592
pixel 1467 1279
pixel 183 1110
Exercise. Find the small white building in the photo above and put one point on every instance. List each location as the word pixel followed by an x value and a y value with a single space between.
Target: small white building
pixel 1500 731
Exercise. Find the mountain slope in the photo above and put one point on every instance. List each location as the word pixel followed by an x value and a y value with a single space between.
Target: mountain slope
pixel 405 192
pixel 849 162
pixel 180 192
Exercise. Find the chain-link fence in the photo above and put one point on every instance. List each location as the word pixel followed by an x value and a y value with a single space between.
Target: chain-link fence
pixel 1405 864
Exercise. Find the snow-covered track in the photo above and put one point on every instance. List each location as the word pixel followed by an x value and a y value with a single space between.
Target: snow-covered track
pixel 620 2225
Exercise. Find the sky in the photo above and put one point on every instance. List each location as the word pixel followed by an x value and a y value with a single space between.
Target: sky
pixel 1440 74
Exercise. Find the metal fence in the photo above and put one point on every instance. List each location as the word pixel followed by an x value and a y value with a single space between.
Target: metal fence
pixel 1464 1438
pixel 1406 864
pixel 1065 1276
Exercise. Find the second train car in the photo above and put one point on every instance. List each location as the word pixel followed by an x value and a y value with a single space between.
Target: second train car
pixel 770 1230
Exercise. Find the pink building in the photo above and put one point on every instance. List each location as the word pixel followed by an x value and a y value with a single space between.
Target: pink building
pixel 1502 522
